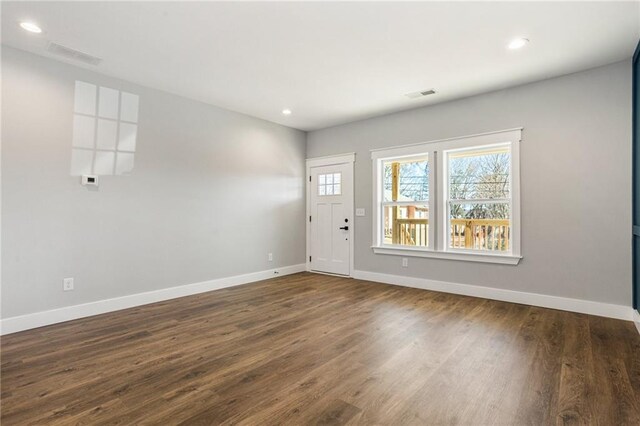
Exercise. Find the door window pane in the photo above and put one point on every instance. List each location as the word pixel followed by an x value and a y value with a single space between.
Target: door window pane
pixel 329 184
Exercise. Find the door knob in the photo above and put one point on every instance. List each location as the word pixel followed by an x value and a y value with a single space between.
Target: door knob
pixel 346 228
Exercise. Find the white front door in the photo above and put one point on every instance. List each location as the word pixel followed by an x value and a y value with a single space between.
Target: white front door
pixel 331 218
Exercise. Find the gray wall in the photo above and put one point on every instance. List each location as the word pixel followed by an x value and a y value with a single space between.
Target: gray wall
pixel 211 193
pixel 575 182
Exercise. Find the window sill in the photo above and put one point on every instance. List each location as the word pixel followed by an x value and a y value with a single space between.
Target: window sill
pixel 503 259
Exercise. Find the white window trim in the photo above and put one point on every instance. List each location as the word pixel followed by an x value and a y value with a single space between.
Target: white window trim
pixel 438 243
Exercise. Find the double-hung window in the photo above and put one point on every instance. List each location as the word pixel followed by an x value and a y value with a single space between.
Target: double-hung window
pixel 405 201
pixel 455 199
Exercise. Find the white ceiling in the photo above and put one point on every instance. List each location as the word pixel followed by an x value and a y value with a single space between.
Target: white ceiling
pixel 330 63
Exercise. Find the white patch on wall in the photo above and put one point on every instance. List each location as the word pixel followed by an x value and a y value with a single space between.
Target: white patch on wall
pixel 84 129
pixel 103 164
pixel 129 107
pixel 105 129
pixel 81 162
pixel 127 141
pixel 108 104
pixel 85 98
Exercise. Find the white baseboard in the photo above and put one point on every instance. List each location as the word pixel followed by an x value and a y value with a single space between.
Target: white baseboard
pixel 554 302
pixel 636 320
pixel 39 319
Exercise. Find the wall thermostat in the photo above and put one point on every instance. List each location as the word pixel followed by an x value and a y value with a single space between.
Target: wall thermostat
pixel 90 180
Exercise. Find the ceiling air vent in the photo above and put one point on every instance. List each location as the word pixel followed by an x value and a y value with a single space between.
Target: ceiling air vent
pixel 73 54
pixel 414 95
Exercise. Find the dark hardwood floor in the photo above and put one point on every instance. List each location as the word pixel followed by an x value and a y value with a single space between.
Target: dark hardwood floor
pixel 313 349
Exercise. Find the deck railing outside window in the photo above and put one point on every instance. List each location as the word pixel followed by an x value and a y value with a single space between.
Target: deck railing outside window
pixel 475 234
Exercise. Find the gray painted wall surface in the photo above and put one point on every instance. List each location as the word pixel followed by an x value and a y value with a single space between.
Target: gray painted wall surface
pixel 575 182
pixel 211 193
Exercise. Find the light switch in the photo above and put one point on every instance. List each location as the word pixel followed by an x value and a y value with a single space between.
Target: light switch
pixel 359 212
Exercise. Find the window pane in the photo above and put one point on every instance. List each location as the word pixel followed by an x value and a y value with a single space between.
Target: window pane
pixel 412 180
pixel 329 189
pixel 386 181
pixel 406 225
pixel 329 184
pixel 480 226
pixel 479 174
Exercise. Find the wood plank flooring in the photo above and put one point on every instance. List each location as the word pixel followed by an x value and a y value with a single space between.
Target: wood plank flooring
pixel 313 349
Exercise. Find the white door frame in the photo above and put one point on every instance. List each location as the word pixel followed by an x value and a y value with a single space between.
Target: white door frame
pixel 331 160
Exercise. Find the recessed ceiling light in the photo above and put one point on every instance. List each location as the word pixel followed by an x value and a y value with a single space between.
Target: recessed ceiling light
pixel 518 43
pixel 286 111
pixel 31 27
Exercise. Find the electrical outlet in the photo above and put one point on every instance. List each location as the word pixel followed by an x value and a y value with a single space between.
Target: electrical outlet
pixel 405 262
pixel 67 284
pixel 270 257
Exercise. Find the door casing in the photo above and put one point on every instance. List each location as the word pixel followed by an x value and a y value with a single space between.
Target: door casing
pixel 635 233
pixel 348 158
